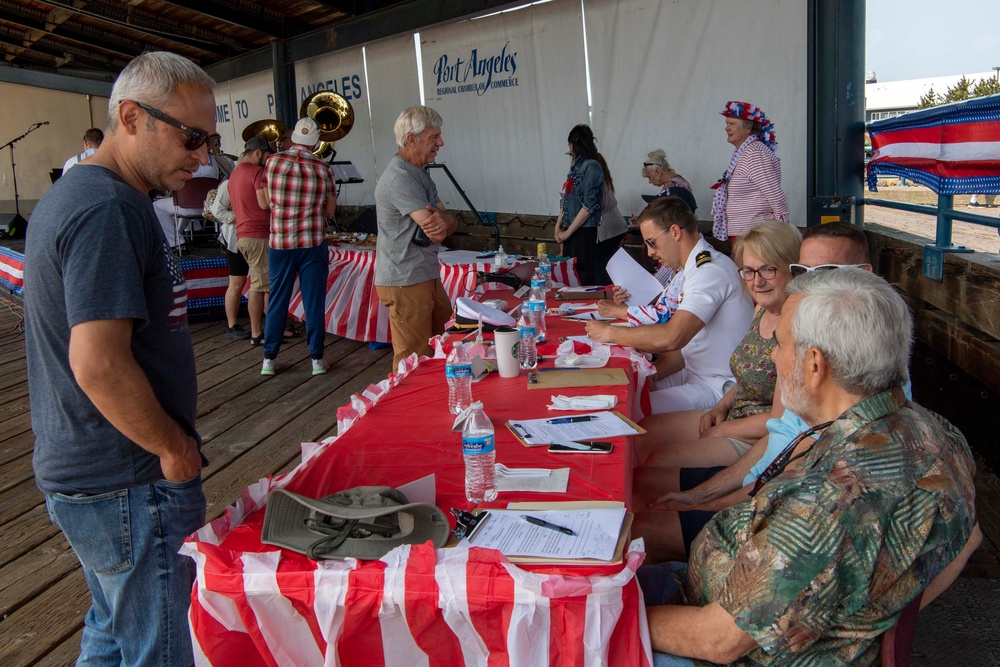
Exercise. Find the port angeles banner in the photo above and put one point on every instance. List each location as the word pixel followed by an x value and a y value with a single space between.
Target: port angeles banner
pixel 509 87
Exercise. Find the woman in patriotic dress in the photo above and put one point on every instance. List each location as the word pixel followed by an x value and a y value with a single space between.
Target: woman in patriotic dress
pixel 749 191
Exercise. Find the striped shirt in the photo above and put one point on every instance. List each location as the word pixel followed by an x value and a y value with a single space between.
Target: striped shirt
pixel 298 184
pixel 755 193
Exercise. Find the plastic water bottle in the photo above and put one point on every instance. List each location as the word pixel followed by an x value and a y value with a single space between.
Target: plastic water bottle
pixel 527 349
pixel 480 456
pixel 500 259
pixel 544 265
pixel 458 370
pixel 536 302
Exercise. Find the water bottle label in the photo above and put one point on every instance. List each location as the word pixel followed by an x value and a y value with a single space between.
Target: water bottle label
pixel 463 371
pixel 545 268
pixel 537 306
pixel 474 446
pixel 540 282
pixel 527 332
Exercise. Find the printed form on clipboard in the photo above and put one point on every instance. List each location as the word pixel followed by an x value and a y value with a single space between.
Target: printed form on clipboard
pixel 591 534
pixel 592 426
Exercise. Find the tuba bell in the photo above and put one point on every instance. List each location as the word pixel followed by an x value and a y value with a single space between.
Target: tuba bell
pixel 269 128
pixel 333 114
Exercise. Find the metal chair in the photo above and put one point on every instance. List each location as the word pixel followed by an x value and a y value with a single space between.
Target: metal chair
pixel 191 197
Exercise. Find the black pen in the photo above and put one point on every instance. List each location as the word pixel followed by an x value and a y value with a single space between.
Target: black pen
pixel 535 521
pixel 572 420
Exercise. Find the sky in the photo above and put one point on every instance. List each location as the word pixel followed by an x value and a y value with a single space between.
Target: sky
pixel 916 39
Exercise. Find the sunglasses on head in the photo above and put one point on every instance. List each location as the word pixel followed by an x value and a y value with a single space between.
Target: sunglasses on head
pixel 196 138
pixel 799 269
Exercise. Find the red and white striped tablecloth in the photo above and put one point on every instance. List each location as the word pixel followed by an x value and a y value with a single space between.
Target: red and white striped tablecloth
pixel 353 309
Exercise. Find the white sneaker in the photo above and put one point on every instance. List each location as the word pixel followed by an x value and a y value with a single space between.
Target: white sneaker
pixel 268 367
pixel 319 366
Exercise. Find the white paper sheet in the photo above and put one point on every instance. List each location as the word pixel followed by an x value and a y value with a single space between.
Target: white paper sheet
pixel 555 481
pixel 627 273
pixel 589 315
pixel 542 431
pixel 596 533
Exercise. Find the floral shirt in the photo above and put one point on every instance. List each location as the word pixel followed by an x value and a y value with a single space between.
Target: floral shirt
pixel 754 371
pixel 823 560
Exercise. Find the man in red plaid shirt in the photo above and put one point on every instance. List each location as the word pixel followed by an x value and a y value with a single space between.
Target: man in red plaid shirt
pixel 302 196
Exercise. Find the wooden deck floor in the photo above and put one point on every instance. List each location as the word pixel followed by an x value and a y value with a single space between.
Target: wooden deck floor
pixel 252 427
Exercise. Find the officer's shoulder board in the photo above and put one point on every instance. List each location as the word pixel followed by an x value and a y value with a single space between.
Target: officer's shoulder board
pixel 703 257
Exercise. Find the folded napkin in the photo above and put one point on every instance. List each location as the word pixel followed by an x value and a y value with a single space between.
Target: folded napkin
pixel 532 479
pixel 596 402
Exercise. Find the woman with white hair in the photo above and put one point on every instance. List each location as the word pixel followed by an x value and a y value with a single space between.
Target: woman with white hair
pixel 749 191
pixel 657 170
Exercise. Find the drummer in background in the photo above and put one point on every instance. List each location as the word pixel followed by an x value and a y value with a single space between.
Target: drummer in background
pixel 92 139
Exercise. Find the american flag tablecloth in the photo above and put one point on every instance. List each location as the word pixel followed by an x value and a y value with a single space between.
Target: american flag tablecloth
pixel 12 270
pixel 353 309
pixel 254 605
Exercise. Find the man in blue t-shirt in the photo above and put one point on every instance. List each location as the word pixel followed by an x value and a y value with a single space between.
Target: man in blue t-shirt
pixel 111 369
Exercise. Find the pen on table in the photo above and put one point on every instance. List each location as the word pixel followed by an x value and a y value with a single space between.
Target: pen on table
pixel 535 521
pixel 568 368
pixel 572 420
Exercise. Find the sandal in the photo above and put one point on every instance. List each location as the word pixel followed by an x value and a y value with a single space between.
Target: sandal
pixel 257 342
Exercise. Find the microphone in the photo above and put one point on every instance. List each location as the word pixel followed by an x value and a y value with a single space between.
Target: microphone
pixel 44 122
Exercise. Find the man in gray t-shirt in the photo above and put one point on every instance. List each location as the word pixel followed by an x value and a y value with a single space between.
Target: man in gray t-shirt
pixel 411 224
pixel 111 369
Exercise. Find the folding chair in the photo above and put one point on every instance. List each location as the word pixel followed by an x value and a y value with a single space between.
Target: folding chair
pixel 191 197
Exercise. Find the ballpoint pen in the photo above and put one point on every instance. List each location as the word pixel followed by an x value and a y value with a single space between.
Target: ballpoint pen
pixel 572 420
pixel 535 521
pixel 568 368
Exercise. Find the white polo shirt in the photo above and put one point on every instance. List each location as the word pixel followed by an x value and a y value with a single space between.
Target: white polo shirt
pixel 713 292
pixel 73 161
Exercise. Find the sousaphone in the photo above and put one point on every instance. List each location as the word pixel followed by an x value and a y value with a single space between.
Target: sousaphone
pixel 269 128
pixel 333 114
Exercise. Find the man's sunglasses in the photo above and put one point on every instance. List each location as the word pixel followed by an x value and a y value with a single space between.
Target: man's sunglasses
pixel 651 241
pixel 799 269
pixel 196 138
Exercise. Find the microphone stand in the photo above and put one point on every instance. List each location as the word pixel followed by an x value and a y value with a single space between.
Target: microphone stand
pixel 17 222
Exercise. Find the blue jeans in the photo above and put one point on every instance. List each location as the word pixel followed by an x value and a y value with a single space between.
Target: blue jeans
pixel 127 542
pixel 658 586
pixel 312 265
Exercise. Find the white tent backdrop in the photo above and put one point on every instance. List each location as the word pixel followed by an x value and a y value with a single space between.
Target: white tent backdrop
pixel 240 102
pixel 392 87
pixel 343 72
pixel 662 70
pixel 509 88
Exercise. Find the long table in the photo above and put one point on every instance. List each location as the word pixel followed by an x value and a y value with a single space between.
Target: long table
pixel 259 605
pixel 353 309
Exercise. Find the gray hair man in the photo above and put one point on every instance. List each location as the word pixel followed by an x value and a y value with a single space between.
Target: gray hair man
pixel 412 221
pixel 841 532
pixel 111 369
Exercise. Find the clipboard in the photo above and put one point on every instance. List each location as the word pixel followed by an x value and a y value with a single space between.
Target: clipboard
pixel 520 438
pixel 583 377
pixel 623 534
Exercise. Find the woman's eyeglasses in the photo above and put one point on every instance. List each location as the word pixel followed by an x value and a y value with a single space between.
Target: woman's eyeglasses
pixel 782 460
pixel 765 272
pixel 799 269
pixel 195 139
pixel 651 242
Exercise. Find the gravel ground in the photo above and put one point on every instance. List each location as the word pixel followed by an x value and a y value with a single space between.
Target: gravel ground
pixel 977 237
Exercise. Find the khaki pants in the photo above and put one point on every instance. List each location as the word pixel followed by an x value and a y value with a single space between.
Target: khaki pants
pixel 416 314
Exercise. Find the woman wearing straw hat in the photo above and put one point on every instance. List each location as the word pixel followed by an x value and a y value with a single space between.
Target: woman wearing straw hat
pixel 749 191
